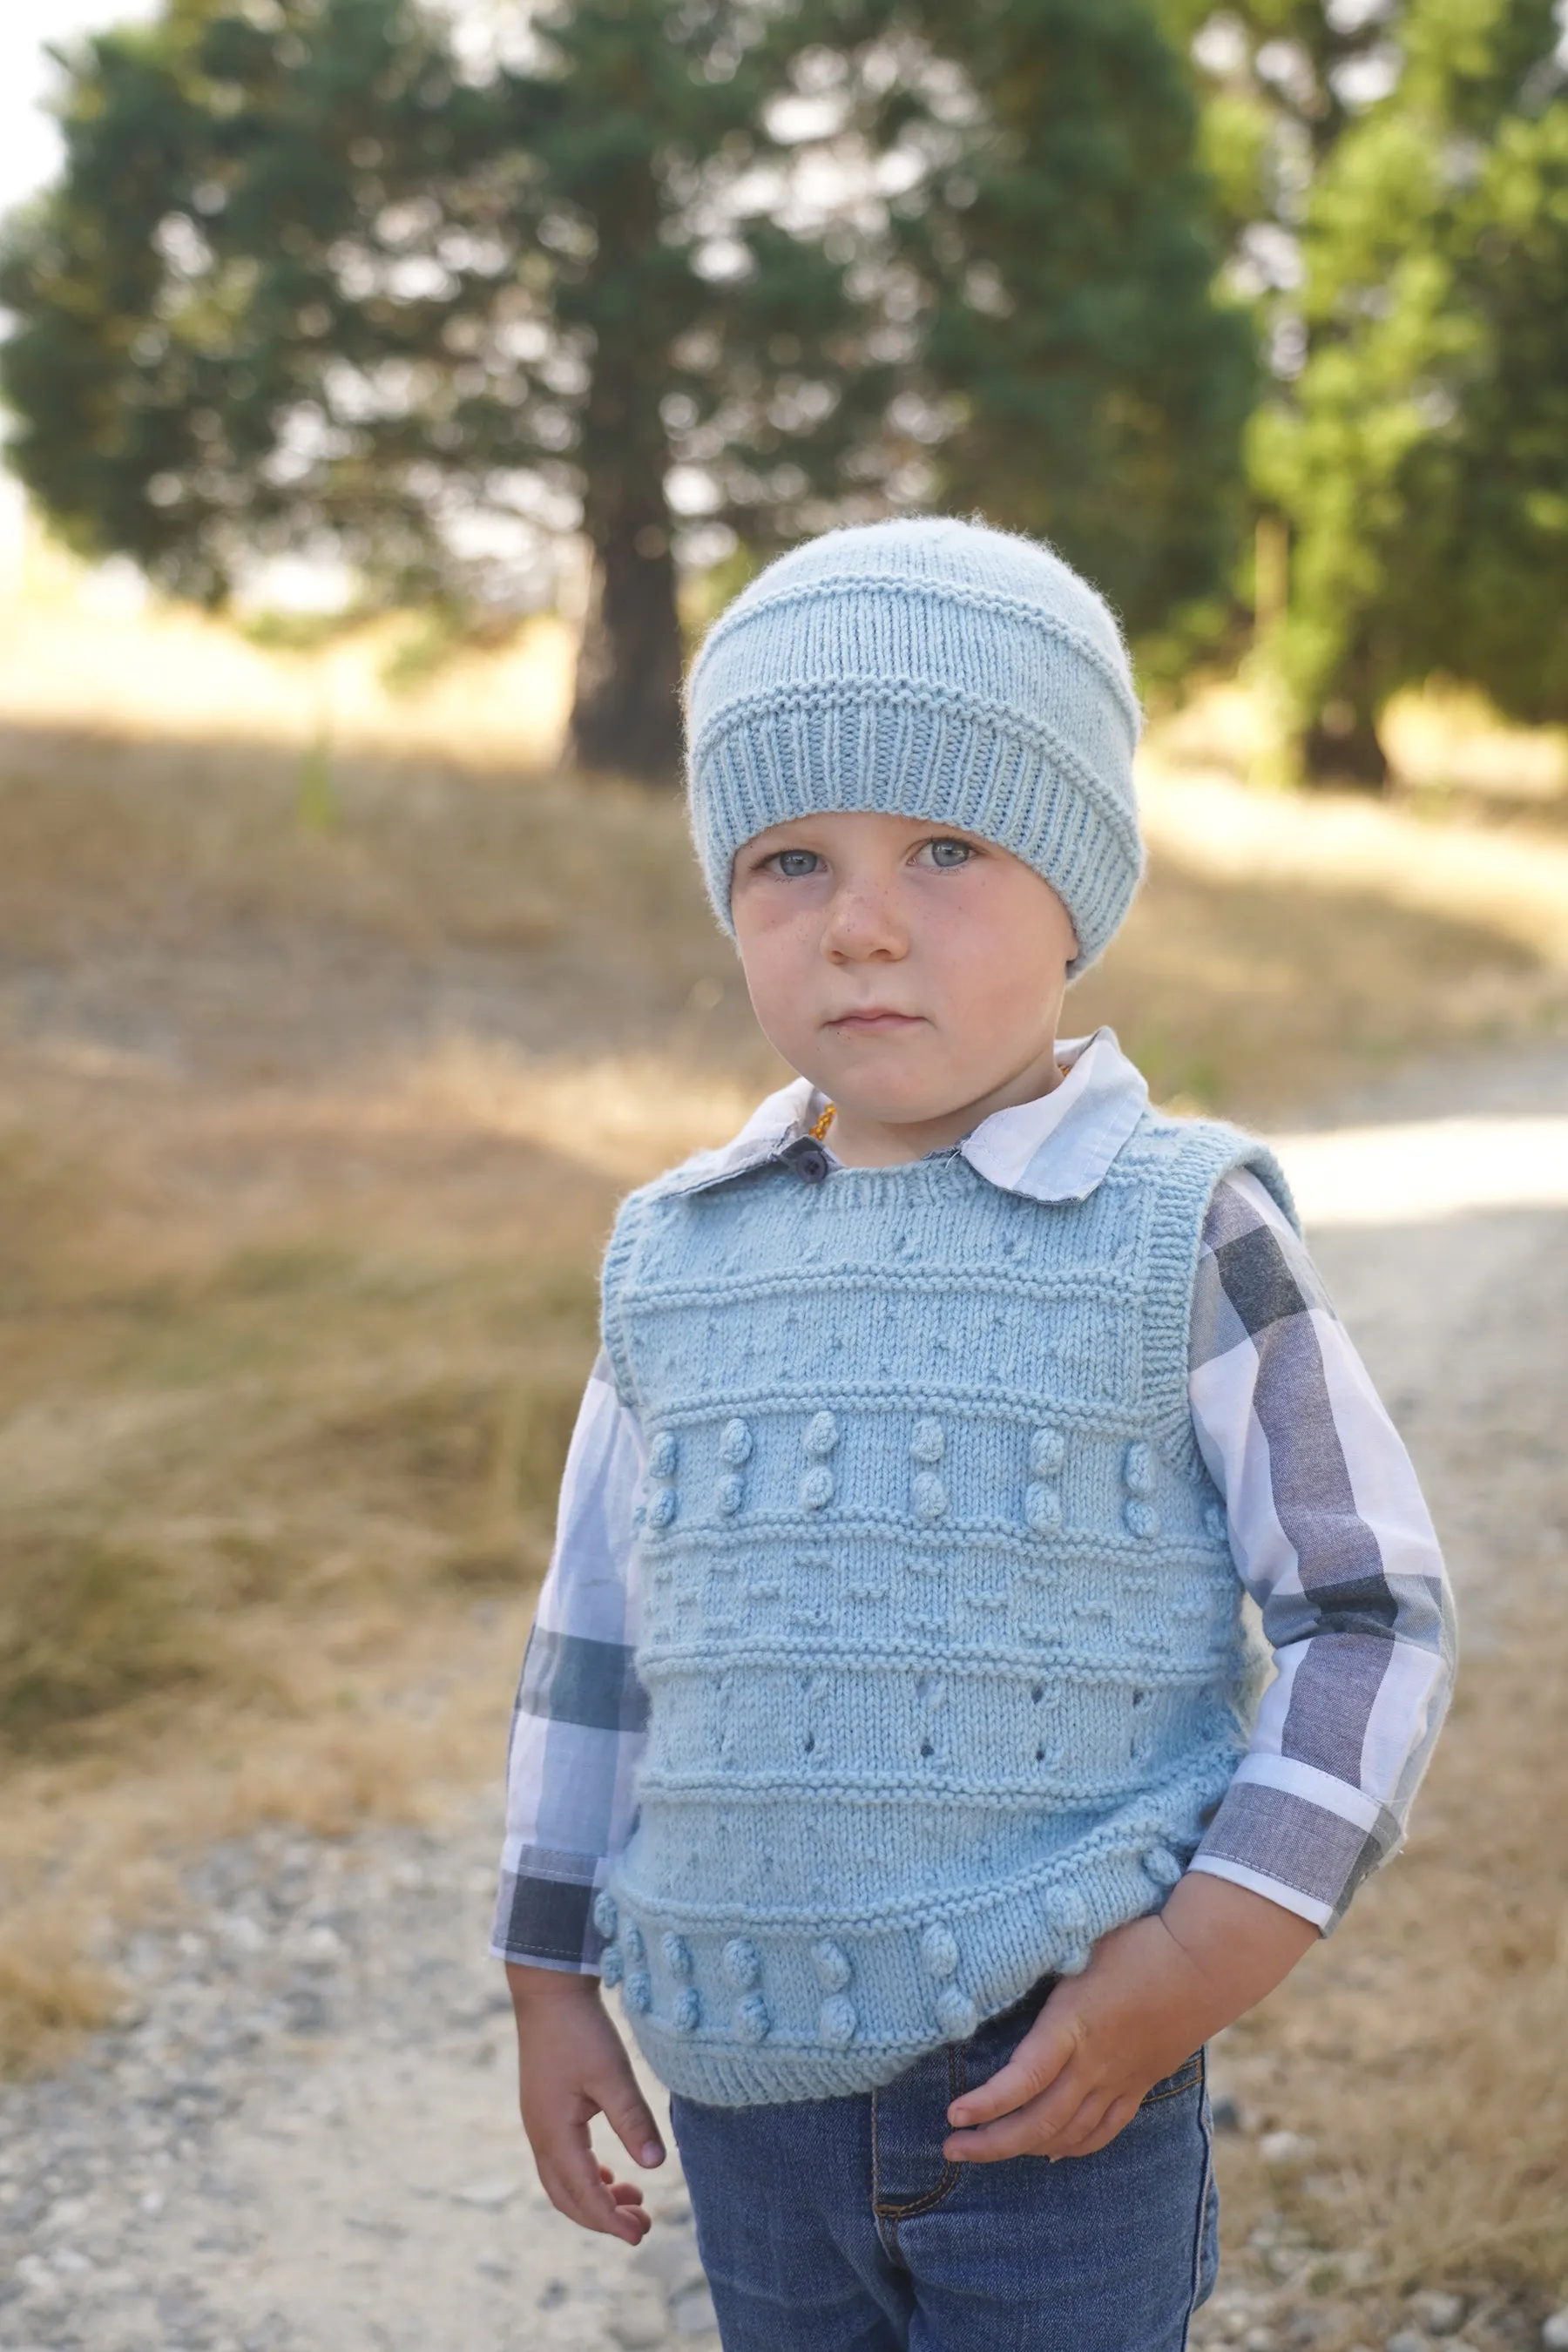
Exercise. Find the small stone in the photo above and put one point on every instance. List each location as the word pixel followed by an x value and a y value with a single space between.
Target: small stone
pixel 1283 2148
pixel 1408 2339
pixel 1439 2314
pixel 1554 2331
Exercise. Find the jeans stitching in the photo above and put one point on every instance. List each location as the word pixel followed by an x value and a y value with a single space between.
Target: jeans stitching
pixel 949 2172
pixel 1203 2205
pixel 1190 2074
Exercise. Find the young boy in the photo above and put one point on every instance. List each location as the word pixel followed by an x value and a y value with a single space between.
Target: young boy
pixel 889 1732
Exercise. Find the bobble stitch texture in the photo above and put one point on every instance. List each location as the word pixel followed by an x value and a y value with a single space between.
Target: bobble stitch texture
pixel 821 1434
pixel 661 1508
pixel 1047 1452
pixel 751 2018
pixel 930 1497
pixel 927 1443
pixel 939 1950
pixel 743 1963
pixel 686 2014
pixel 1043 1509
pixel 1069 1912
pixel 728 1495
pixel 633 1945
pixel 832 1965
pixel 815 1489
pixel 610 1968
pixel 955 2014
pixel 734 1444
pixel 1143 1519
pixel 638 1993
pixel 1160 1867
pixel 836 2022
pixel 606 1918
pixel 663 1454
pixel 965 1308
pixel 1138 1469
pixel 676 1955
pixel 1073 1961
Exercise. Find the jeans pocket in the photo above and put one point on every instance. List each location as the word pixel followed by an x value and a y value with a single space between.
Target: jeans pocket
pixel 1188 2076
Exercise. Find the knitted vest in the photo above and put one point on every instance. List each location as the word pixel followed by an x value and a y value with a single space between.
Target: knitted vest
pixel 941 1633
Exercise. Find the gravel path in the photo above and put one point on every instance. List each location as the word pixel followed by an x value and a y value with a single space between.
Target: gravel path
pixel 303 2137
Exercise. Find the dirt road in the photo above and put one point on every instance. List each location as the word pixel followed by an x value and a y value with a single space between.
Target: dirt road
pixel 304 2140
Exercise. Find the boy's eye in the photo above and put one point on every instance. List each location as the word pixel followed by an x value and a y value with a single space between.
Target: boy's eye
pixel 949 852
pixel 795 865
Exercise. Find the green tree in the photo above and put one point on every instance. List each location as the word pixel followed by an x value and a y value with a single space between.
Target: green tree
pixel 319 278
pixel 308 284
pixel 1396 183
pixel 1065 257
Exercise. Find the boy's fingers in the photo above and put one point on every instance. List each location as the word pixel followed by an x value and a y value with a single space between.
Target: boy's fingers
pixel 1027 2074
pixel 1048 2125
pixel 1116 2118
pixel 571 2181
pixel 626 2113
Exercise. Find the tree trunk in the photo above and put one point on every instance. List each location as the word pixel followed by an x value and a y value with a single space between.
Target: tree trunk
pixel 1341 747
pixel 626 714
pixel 626 711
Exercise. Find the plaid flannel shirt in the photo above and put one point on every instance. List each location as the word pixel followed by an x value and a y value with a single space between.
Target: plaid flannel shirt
pixel 1328 1528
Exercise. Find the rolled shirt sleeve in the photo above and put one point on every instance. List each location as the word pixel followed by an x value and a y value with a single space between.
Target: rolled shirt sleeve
pixel 1333 1541
pixel 578 1725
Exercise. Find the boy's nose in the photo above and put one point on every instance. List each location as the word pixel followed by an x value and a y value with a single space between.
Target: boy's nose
pixel 861 922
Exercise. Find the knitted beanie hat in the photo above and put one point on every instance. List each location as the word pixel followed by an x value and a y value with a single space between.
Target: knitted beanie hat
pixel 930 669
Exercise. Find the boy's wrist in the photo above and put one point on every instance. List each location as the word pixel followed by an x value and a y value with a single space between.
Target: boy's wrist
pixel 542 1988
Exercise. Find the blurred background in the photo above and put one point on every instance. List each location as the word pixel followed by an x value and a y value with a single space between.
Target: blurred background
pixel 390 395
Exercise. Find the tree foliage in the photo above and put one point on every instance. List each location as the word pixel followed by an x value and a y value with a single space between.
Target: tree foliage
pixel 1402 208
pixel 320 277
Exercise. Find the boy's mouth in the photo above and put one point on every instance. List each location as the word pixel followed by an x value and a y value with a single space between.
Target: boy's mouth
pixel 872 1020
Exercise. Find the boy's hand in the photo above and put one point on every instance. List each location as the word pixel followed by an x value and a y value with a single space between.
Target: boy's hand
pixel 1153 1992
pixel 572 2066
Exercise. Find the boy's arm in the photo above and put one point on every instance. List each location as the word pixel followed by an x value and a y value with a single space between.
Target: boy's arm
pixel 1333 1542
pixel 577 1733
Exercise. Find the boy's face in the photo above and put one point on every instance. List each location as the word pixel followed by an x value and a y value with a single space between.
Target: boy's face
pixel 914 973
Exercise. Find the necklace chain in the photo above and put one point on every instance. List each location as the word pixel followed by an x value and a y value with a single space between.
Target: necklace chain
pixel 819 1126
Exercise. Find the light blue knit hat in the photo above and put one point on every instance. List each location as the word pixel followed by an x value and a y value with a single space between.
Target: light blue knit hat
pixel 930 668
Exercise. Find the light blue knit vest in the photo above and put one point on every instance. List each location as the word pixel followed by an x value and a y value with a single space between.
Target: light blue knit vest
pixel 940 1633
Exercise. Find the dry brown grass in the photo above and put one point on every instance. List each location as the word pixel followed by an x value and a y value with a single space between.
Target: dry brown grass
pixel 1421 2050
pixel 313 1116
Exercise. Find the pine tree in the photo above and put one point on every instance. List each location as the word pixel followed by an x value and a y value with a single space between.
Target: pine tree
pixel 318 277
pixel 1398 183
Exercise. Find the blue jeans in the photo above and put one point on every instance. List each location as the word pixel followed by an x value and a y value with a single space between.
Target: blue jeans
pixel 834 2225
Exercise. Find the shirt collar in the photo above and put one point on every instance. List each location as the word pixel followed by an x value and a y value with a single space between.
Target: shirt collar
pixel 1056 1147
